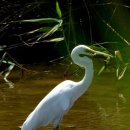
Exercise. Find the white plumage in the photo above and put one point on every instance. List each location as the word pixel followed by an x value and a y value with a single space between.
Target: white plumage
pixel 53 106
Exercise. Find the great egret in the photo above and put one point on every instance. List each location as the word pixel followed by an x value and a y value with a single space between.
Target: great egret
pixel 52 108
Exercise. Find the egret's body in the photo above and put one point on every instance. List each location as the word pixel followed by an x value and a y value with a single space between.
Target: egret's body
pixel 52 108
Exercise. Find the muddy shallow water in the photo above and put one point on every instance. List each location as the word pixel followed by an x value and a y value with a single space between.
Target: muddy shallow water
pixel 105 106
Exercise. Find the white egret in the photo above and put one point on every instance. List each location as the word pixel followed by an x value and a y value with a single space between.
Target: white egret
pixel 54 105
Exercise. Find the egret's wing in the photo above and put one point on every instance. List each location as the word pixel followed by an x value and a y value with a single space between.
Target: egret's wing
pixel 64 102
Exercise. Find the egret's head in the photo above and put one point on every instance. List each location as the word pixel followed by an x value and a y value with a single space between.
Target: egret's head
pixel 82 55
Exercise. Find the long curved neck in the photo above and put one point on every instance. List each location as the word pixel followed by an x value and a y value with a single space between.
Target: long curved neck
pixel 87 79
pixel 84 84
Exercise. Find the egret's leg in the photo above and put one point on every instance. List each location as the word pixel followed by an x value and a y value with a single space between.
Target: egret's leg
pixel 57 122
pixel 56 128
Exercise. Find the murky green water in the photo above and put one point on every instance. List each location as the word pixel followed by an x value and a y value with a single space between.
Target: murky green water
pixel 105 106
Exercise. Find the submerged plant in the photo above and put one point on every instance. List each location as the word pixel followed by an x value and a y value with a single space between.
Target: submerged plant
pixel 5 72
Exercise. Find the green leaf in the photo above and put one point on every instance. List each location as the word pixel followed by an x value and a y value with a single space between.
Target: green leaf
pixel 42 29
pixel 58 10
pixel 118 55
pixel 41 20
pixel 50 32
pixel 55 39
pixel 121 71
pixel 101 70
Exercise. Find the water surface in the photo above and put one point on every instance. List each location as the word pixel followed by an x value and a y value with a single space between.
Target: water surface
pixel 105 106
